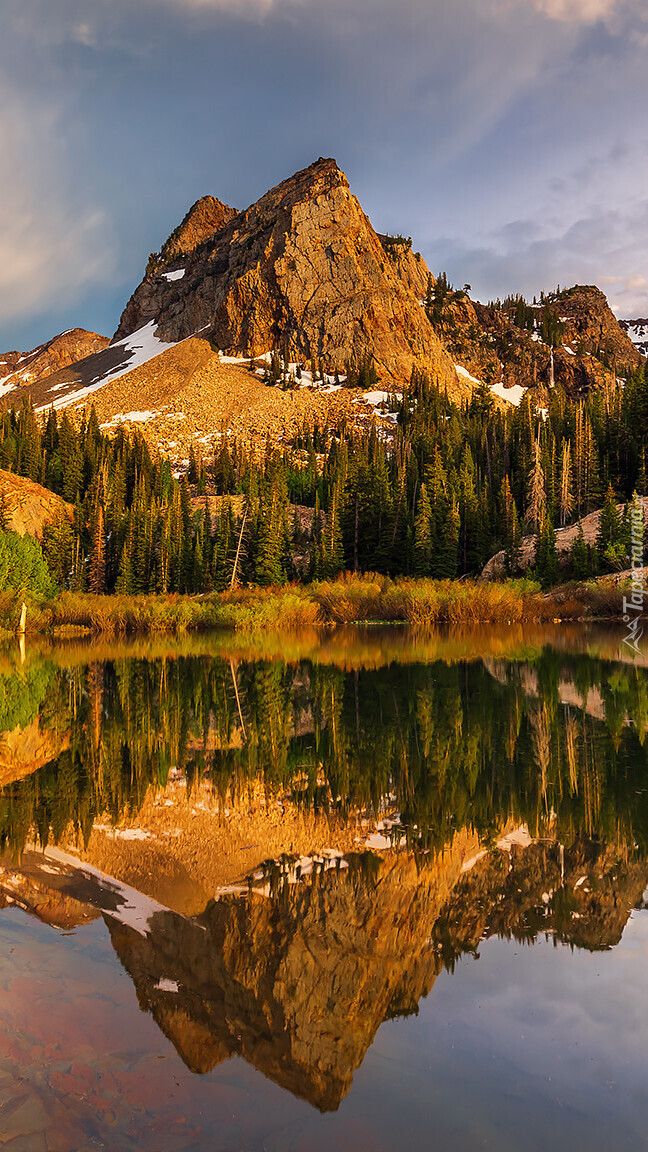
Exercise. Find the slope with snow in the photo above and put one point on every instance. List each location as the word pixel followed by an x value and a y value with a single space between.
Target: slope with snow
pixel 637 330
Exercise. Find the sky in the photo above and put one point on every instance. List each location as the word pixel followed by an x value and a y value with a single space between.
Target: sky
pixel 507 137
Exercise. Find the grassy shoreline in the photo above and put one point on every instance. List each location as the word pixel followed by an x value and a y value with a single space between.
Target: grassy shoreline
pixel 350 599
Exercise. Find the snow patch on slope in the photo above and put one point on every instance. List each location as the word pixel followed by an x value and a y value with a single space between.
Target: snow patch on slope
pixel 131 352
pixel 637 330
pixel 513 394
pixel 465 374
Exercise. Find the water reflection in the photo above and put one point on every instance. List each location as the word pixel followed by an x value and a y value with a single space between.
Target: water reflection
pixel 287 854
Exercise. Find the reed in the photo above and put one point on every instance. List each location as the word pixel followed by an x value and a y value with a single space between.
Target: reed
pixel 350 599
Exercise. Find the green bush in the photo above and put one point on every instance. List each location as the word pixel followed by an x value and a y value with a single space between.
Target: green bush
pixel 23 567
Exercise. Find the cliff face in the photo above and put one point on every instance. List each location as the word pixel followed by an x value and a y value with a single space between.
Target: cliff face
pixel 591 327
pixel 304 271
pixel 204 219
pixel 588 349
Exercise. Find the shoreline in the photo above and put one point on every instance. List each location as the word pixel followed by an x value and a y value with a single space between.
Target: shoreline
pixel 348 600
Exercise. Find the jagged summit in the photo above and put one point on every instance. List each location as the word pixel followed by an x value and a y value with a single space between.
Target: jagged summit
pixel 302 269
pixel 303 272
pixel 204 219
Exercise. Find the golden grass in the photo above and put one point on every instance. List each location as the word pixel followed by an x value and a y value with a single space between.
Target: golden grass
pixel 351 599
pixel 376 598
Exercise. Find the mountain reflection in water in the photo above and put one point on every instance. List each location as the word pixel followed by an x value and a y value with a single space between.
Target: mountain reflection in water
pixel 287 854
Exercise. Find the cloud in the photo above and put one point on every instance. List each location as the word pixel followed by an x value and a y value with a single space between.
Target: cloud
pixel 84 34
pixel 451 119
pixel 576 11
pixel 53 247
pixel 244 8
pixel 607 248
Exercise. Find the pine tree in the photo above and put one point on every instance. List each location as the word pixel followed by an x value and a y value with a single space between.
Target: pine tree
pixel 332 550
pixel 512 532
pixel 609 540
pixel 536 494
pixel 97 568
pixel 546 558
pixel 423 535
pixel 566 498
pixel 447 555
pixel 579 556
pixel 71 460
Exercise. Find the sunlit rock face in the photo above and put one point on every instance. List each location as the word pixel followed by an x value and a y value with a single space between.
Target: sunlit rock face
pixel 301 270
pixel 23 369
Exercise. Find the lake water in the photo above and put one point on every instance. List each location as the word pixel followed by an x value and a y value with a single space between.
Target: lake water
pixel 357 890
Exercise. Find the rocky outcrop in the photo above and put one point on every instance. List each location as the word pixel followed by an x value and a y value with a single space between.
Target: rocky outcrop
pixel 495 568
pixel 408 265
pixel 592 328
pixel 587 349
pixel 18 369
pixel 27 507
pixel 301 270
pixel 205 218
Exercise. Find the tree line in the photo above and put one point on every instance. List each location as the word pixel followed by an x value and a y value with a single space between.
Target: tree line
pixel 434 494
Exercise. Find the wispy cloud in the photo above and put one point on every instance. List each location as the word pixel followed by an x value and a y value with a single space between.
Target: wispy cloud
pixel 576 11
pixel 52 248
pixel 608 248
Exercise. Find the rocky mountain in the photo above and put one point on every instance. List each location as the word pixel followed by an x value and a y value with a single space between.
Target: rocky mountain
pixel 303 273
pixel 301 270
pixel 24 369
pixel 571 338
pixel 205 218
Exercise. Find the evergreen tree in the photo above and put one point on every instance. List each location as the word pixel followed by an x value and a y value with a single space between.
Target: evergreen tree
pixel 609 540
pixel 536 493
pixel 423 535
pixel 97 570
pixel 546 559
pixel 579 556
pixel 512 531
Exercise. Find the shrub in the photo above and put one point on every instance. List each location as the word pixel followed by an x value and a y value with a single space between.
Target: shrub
pixel 23 567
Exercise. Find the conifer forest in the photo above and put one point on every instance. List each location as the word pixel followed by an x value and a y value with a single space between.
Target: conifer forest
pixel 452 486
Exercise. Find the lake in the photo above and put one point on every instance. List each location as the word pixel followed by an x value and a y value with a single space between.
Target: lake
pixel 355 889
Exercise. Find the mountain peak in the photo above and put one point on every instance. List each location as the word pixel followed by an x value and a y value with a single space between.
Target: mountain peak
pixel 207 217
pixel 301 270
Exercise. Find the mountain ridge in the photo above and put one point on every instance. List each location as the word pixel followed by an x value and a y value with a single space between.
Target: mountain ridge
pixel 302 275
